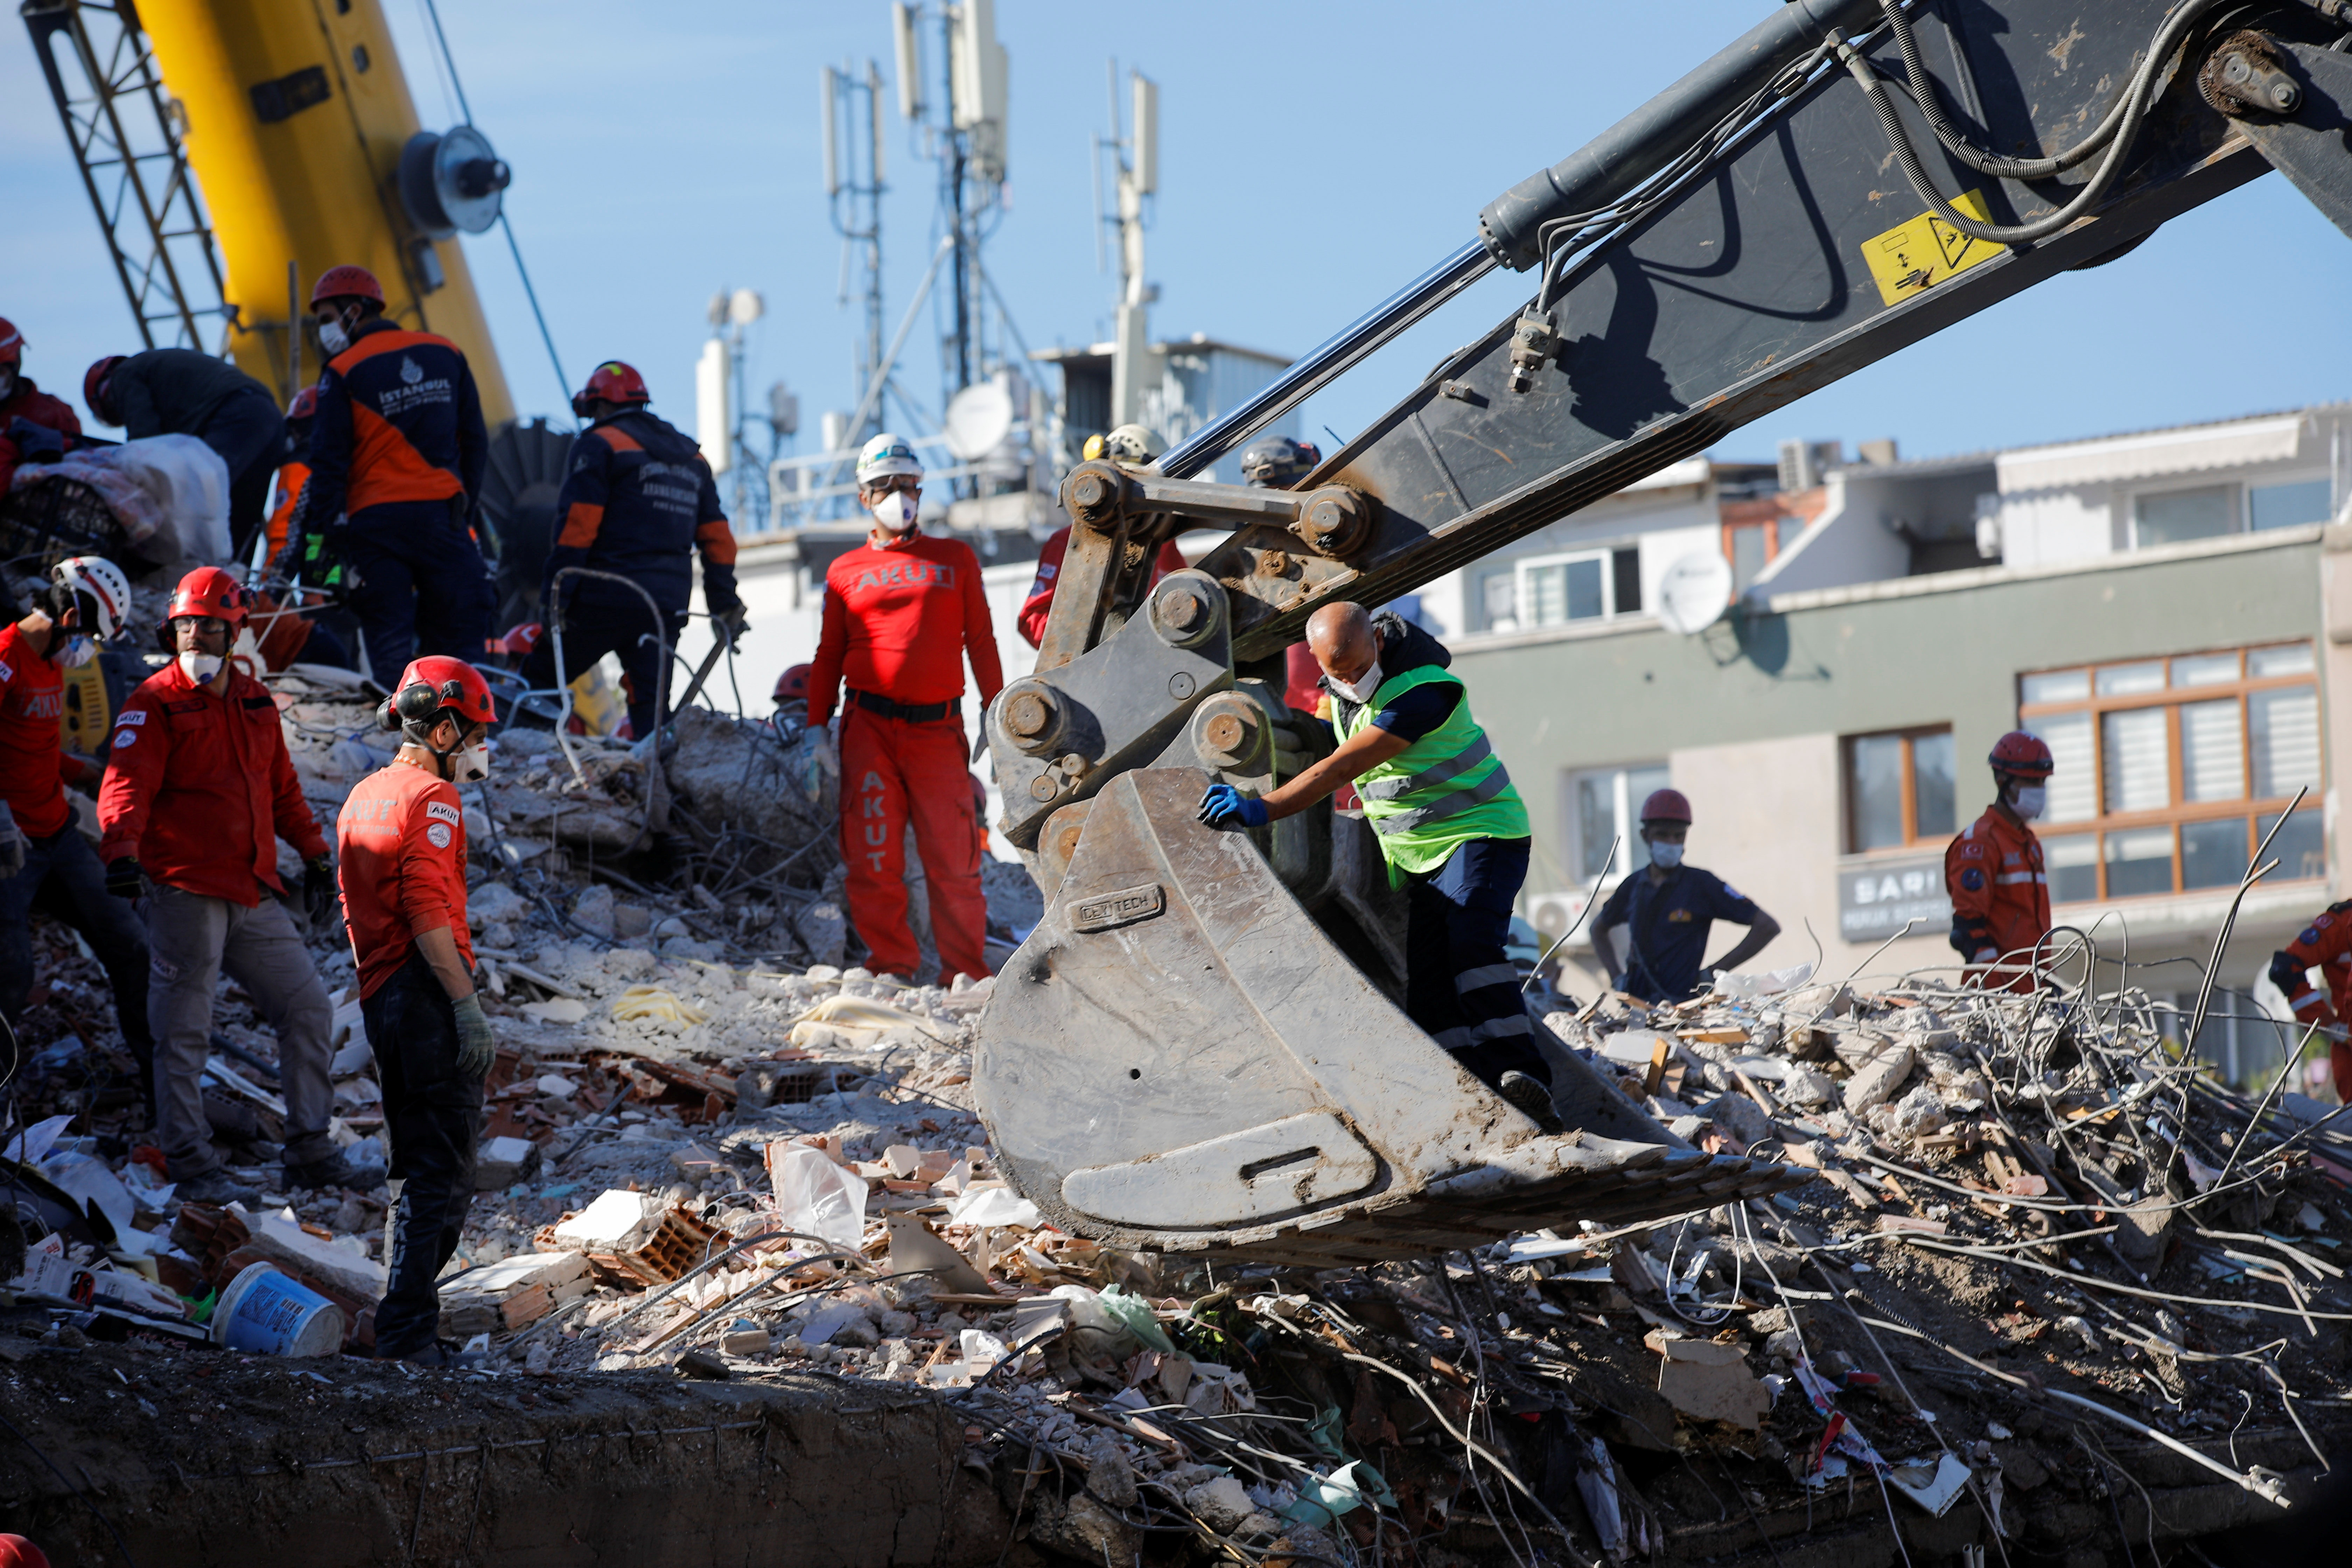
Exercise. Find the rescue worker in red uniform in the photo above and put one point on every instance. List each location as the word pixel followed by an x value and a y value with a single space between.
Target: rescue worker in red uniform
pixel 402 838
pixel 1993 870
pixel 639 502
pixel 44 859
pixel 45 416
pixel 1129 446
pixel 2326 944
pixel 199 791
pixel 902 612
pixel 397 454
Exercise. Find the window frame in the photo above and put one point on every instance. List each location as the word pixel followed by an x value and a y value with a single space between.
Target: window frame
pixel 1604 556
pixel 2179 813
pixel 2241 503
pixel 1620 775
pixel 1913 841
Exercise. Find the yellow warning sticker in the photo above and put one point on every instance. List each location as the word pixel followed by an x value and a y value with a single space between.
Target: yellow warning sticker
pixel 1922 253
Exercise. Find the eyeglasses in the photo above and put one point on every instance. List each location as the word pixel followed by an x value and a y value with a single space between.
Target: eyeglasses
pixel 893 484
pixel 206 626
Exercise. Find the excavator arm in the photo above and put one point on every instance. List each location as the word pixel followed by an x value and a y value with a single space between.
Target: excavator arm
pixel 1198 1047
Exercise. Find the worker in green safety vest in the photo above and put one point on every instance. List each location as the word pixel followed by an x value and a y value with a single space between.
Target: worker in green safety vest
pixel 1449 824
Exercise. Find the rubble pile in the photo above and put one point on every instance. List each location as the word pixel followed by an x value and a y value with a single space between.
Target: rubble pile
pixel 2053 1285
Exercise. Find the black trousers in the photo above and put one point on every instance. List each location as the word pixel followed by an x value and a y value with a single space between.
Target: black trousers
pixel 432 1114
pixel 1460 986
pixel 593 630
pixel 62 877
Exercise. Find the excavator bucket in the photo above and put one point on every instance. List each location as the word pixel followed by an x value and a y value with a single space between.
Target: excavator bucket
pixel 1180 1059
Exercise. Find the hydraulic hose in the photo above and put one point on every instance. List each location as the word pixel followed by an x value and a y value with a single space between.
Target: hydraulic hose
pixel 1931 100
pixel 2130 111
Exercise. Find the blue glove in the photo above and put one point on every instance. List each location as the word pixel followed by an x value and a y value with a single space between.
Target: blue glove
pixel 1225 807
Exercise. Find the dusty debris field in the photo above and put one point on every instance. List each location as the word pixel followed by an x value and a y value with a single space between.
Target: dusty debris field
pixel 2054 1298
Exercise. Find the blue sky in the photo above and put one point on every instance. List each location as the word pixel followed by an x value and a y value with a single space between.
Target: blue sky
pixel 1316 155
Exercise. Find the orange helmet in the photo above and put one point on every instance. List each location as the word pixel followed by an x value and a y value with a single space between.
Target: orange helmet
pixel 346 283
pixel 209 591
pixel 613 382
pixel 792 686
pixel 435 685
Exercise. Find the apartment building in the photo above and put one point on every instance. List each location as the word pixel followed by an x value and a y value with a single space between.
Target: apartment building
pixel 2163 608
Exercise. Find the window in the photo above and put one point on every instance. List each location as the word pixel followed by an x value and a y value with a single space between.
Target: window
pixel 1603 807
pixel 2165 767
pixel 2207 512
pixel 1554 590
pixel 2170 517
pixel 1898 789
pixel 1749 547
pixel 2287 506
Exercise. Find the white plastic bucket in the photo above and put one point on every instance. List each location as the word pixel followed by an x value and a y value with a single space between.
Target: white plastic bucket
pixel 265 1311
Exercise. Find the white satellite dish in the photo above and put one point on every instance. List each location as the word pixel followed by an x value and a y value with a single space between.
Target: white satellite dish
pixel 979 417
pixel 1694 592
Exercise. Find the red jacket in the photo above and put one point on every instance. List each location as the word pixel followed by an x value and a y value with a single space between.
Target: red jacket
pixel 401 842
pixel 2000 890
pixel 900 620
pixel 200 788
pixel 1039 605
pixel 30 402
pixel 32 760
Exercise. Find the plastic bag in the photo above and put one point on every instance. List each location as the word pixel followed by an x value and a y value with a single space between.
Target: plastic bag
pixel 170 493
pixel 997 1206
pixel 1134 1314
pixel 816 1196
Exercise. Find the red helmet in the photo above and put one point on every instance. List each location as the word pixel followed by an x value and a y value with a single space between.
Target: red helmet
pixel 94 381
pixel 613 382
pixel 792 686
pixel 12 342
pixel 2019 752
pixel 209 591
pixel 305 404
pixel 1666 806
pixel 346 283
pixel 438 684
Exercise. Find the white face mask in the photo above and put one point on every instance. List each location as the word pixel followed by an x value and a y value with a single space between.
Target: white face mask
pixel 1361 689
pixel 1665 856
pixel 2031 800
pixel 201 666
pixel 78 651
pixel 895 512
pixel 333 337
pixel 471 764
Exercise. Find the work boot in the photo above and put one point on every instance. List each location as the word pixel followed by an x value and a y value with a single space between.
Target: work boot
pixel 214 1187
pixel 334 1170
pixel 1532 1098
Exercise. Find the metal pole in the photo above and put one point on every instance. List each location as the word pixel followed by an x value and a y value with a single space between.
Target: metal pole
pixel 1329 360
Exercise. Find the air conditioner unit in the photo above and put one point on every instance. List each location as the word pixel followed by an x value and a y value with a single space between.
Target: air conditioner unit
pixel 1553 913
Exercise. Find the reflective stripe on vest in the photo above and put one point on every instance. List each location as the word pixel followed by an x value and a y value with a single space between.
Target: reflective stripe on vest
pixel 1446 787
pixel 1477 752
pixel 1479 793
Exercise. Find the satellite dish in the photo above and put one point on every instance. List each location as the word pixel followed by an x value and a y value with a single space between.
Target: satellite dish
pixel 1695 592
pixel 979 417
pixel 451 182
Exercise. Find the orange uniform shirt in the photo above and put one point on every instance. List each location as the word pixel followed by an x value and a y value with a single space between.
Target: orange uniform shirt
pixel 401 842
pixel 2000 889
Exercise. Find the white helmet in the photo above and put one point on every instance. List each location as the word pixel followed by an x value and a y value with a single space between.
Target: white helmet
pixel 1134 443
pixel 100 589
pixel 885 456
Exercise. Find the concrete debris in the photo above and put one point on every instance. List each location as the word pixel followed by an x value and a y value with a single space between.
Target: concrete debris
pixel 2045 1255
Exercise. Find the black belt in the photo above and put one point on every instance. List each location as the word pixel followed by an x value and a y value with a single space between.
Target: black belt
pixel 909 712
